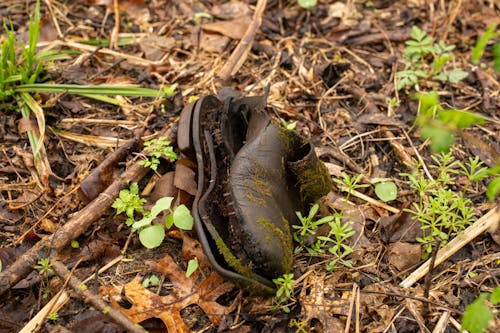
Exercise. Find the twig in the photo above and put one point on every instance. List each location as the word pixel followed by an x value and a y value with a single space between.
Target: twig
pixel 442 323
pixel 240 53
pixel 58 301
pixel 374 202
pixel 487 221
pixel 78 286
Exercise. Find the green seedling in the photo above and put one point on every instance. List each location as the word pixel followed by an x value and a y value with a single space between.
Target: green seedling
pixel 156 149
pixel 478 50
pixel 440 125
pixel 129 202
pixel 308 227
pixel 333 243
pixel 290 125
pixel 349 184
pixel 44 266
pixel 416 52
pixel 442 211
pixel 152 235
pixel 53 317
pixel 336 243
pixel 285 289
pixel 478 315
pixel 197 17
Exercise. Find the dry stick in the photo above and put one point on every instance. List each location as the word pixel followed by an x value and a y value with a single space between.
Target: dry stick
pixel 489 220
pixel 58 301
pixel 77 285
pixel 442 323
pixel 240 53
pixel 78 224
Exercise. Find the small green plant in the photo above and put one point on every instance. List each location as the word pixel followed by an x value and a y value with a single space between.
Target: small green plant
pixel 349 184
pixel 334 242
pixel 21 70
pixel 152 235
pixel 417 50
pixel 290 125
pixel 440 125
pixel 308 227
pixel 44 266
pixel 385 189
pixel 285 288
pixel 478 50
pixel 129 202
pixel 197 17
pixel 53 317
pixel 157 148
pixel 151 281
pixel 308 4
pixel 442 211
pixel 481 312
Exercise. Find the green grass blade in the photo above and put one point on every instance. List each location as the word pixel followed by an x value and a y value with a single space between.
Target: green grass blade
pixel 107 90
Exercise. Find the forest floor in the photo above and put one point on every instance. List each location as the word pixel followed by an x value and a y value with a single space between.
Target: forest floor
pixel 341 75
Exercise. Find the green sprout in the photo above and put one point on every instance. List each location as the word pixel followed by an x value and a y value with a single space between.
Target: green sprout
pixel 156 149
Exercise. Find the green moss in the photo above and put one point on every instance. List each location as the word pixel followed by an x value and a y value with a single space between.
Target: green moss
pixel 284 236
pixel 229 257
pixel 313 178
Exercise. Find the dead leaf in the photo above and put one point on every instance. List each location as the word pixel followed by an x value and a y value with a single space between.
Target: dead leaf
pixel 403 255
pixel 234 29
pixel 399 227
pixel 213 42
pixel 316 305
pixel 155 47
pixel 186 291
pixel 164 187
pixel 231 10
pixel 185 179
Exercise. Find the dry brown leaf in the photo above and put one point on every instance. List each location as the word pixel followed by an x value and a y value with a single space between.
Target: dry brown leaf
pixel 403 255
pixel 234 29
pixel 185 179
pixel 213 42
pixel 316 305
pixel 231 10
pixel 186 291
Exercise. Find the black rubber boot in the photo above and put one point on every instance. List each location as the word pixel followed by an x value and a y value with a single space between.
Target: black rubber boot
pixel 253 175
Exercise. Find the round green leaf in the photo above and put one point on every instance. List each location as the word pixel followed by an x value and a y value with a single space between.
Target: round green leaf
pixel 152 236
pixel 183 218
pixel 386 191
pixel 307 3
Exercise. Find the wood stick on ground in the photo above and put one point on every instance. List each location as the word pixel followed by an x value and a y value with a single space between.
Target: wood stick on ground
pixel 78 286
pixel 487 221
pixel 240 53
pixel 79 223
pixel 58 301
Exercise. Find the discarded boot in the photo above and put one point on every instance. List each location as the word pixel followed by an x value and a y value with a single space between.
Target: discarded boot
pixel 253 176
